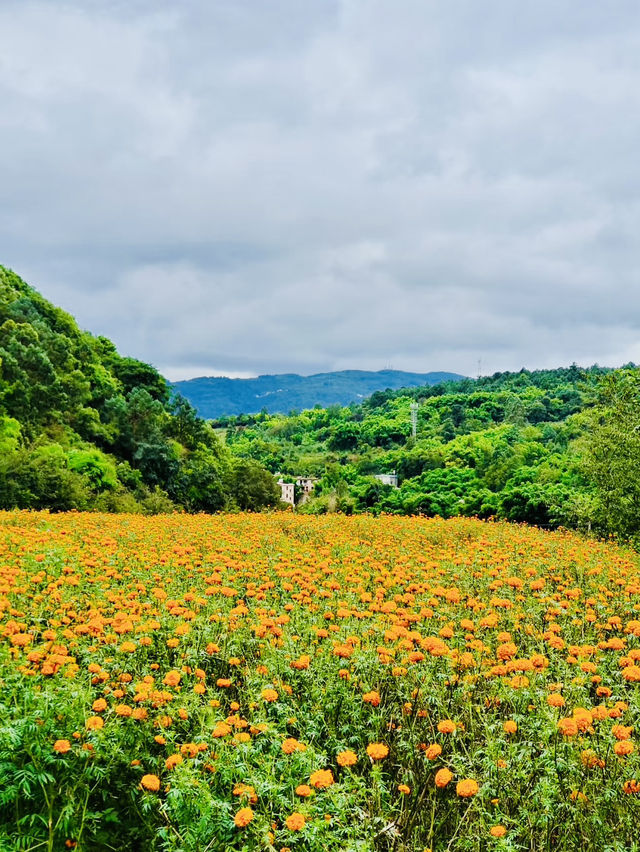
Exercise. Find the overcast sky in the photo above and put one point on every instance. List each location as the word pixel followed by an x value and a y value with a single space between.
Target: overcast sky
pixel 234 187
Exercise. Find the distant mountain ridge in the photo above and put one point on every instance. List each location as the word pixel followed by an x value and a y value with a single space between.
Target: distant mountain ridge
pixel 216 396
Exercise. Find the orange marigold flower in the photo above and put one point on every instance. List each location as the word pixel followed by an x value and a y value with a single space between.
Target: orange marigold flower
pixel 377 751
pixel 590 759
pixel 99 705
pixel 555 700
pixel 510 727
pixel 303 790
pixel 622 732
pixel 506 651
pixel 172 678
pixel 61 746
pixel 624 747
pixel 403 788
pixel 568 727
pixel 498 831
pixel 150 782
pixel 94 723
pixel 291 744
pixel 243 817
pixel 246 790
pixel 321 778
pixel 583 719
pixel 447 726
pixel 173 760
pixel 372 698
pixel 443 777
pixel 631 673
pixel 295 822
pixel 347 758
pixel 432 751
pixel 269 695
pixel 467 787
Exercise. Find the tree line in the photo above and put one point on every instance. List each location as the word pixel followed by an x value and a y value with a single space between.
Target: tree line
pixel 548 447
pixel 82 427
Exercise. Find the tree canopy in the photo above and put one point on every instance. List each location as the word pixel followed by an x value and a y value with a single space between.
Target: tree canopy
pixel 83 427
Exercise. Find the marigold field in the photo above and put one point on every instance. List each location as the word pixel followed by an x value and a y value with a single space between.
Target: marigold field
pixel 273 682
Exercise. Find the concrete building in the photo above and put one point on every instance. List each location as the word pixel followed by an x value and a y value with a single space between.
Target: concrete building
pixel 287 492
pixel 305 484
pixel 388 478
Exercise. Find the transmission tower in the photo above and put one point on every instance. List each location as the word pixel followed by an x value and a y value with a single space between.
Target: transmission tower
pixel 414 418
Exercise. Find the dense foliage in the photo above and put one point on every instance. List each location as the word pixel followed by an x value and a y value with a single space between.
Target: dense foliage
pixel 318 684
pixel 218 396
pixel 527 446
pixel 83 427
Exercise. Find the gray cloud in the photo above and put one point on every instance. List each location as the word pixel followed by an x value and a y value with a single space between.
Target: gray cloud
pixel 229 186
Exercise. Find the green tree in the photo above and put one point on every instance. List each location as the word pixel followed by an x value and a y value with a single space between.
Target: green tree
pixel 251 487
pixel 611 459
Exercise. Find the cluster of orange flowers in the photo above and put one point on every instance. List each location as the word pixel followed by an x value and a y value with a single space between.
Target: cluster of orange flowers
pixel 206 633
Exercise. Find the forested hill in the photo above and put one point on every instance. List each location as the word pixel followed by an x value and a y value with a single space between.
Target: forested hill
pixel 83 427
pixel 550 447
pixel 218 396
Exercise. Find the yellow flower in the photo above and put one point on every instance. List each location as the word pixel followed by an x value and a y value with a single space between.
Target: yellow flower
pixel 467 787
pixel 243 817
pixel 443 777
pixel 321 778
pixel 150 782
pixel 295 822
pixel 347 758
pixel 377 751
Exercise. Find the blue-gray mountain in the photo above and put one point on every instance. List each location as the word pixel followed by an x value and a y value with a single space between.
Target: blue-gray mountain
pixel 218 396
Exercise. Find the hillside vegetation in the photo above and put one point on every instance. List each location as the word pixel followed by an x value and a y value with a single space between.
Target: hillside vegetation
pixel 83 427
pixel 217 396
pixel 550 447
